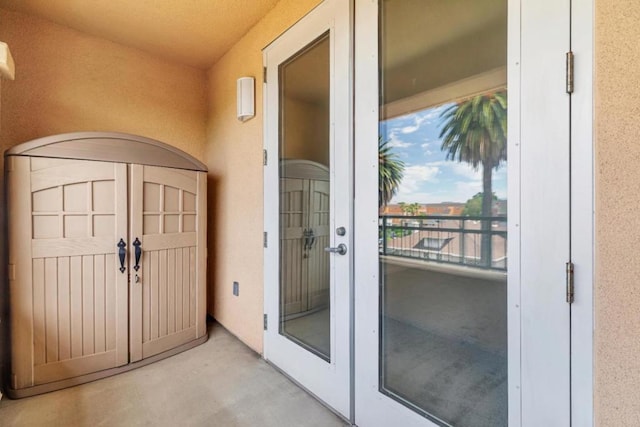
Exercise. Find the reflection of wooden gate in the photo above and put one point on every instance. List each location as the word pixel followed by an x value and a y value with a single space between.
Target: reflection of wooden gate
pixel 304 228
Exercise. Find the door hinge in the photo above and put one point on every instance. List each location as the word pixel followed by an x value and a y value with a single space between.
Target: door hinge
pixel 264 157
pixel 569 72
pixel 264 74
pixel 264 239
pixel 265 322
pixel 570 286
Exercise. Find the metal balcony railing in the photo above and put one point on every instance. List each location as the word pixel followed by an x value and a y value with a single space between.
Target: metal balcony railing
pixel 446 239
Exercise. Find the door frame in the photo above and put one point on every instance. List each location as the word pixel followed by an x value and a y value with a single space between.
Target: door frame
pixel 582 213
pixel 330 382
pixel 581 187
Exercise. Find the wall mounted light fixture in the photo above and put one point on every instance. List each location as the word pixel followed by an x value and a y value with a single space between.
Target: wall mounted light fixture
pixel 7 67
pixel 246 98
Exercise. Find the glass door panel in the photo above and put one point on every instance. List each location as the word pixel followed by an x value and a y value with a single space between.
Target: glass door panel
pixel 442 209
pixel 304 198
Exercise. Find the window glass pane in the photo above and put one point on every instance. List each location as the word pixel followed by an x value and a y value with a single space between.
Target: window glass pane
pixel 443 208
pixel 304 198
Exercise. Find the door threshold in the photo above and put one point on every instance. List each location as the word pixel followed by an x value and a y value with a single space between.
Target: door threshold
pixel 306 390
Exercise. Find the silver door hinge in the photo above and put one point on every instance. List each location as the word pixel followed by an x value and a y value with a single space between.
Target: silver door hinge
pixel 264 74
pixel 569 72
pixel 265 322
pixel 264 239
pixel 570 286
pixel 264 157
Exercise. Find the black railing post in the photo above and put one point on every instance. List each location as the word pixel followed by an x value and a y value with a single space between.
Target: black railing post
pixel 462 239
pixel 490 245
pixel 384 235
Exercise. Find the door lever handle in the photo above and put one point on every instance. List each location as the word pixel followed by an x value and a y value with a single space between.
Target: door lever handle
pixel 341 249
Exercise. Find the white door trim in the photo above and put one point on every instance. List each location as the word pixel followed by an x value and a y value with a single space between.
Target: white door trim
pixel 582 213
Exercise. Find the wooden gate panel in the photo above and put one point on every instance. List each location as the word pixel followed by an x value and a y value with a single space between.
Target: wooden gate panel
pixel 166 224
pixel 78 299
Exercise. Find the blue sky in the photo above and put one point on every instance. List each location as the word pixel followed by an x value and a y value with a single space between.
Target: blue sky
pixel 428 176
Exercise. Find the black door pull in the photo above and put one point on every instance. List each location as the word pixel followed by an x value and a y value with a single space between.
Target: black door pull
pixel 122 253
pixel 136 244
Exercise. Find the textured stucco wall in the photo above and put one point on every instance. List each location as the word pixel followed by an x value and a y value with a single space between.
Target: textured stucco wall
pixel 617 170
pixel 67 81
pixel 234 158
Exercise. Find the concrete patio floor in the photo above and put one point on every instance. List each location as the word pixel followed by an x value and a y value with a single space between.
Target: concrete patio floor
pixel 220 383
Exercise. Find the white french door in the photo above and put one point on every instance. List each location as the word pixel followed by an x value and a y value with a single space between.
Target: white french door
pixel 453 284
pixel 308 194
pixel 461 315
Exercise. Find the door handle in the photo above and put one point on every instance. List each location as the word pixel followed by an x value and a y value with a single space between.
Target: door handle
pixel 122 253
pixel 309 239
pixel 136 244
pixel 341 249
pixel 305 235
pixel 312 238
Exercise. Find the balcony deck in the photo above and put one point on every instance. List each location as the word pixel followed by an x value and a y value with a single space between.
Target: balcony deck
pixel 445 340
pixel 444 343
pixel 220 383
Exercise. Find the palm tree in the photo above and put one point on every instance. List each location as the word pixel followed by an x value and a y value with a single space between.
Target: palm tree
pixel 414 208
pixel 475 132
pixel 390 173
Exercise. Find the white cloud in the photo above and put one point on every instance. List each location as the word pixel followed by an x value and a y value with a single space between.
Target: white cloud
pixel 418 120
pixel 394 141
pixel 466 170
pixel 414 179
pixel 409 129
pixel 417 197
pixel 468 188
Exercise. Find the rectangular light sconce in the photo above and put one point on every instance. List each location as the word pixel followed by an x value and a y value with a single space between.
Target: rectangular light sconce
pixel 7 67
pixel 246 98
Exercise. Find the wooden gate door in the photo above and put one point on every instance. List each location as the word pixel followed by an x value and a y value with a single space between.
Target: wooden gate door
pixel 318 261
pixel 294 241
pixel 167 261
pixel 73 320
pixel 304 232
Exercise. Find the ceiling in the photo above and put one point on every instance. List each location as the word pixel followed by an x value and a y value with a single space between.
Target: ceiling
pixel 192 32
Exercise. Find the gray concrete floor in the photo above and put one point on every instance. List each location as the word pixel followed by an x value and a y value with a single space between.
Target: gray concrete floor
pixel 445 344
pixel 220 383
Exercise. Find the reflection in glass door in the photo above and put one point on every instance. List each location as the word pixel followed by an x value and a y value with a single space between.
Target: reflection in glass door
pixel 442 209
pixel 304 198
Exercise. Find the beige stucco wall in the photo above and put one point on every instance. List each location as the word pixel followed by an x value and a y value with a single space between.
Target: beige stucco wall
pixel 306 131
pixel 234 158
pixel 67 81
pixel 617 173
